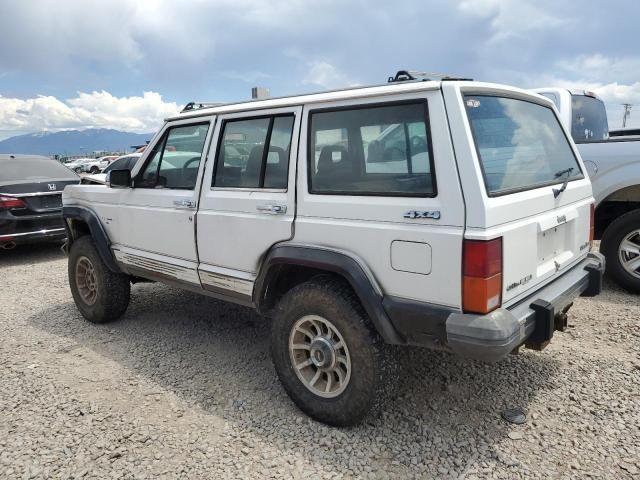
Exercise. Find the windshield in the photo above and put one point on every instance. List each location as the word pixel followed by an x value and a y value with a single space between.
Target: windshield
pixel 589 122
pixel 520 144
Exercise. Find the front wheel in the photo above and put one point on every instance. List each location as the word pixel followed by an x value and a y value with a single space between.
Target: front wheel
pixel 330 361
pixel 94 170
pixel 621 246
pixel 100 294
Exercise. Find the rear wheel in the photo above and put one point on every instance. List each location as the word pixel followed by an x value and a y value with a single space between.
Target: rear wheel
pixel 94 170
pixel 100 294
pixel 330 361
pixel 621 246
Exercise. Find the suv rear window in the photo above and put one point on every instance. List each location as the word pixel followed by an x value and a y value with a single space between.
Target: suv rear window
pixel 371 150
pixel 521 144
pixel 589 122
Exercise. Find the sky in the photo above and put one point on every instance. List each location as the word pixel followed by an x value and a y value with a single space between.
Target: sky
pixel 128 64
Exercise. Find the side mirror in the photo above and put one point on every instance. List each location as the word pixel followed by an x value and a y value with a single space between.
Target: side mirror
pixel 119 178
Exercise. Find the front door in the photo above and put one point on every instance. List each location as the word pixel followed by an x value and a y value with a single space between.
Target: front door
pixel 155 231
pixel 247 202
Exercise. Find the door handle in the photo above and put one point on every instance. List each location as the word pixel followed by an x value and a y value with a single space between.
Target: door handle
pixel 184 203
pixel 272 209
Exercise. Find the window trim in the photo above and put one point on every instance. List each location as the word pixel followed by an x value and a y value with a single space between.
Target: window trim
pixel 163 141
pixel 265 153
pixel 511 191
pixel 363 106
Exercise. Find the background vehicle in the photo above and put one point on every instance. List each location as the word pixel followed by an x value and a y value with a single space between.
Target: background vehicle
pixel 125 162
pixel 613 164
pixel 77 165
pixel 97 165
pixel 31 199
pixel 476 252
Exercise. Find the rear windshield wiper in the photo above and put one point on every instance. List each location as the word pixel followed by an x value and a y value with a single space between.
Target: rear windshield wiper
pixel 567 172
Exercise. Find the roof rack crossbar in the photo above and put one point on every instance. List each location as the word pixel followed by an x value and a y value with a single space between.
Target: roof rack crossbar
pixel 415 76
pixel 198 105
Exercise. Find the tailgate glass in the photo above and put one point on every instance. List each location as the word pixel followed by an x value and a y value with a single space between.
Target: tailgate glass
pixel 520 144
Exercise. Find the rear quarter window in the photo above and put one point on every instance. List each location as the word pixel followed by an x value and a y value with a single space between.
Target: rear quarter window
pixel 520 144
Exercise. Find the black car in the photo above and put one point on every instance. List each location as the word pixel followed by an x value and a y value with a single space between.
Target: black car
pixel 31 199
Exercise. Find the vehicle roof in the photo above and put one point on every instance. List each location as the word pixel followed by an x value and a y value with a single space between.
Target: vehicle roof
pixel 572 91
pixel 333 95
pixel 22 156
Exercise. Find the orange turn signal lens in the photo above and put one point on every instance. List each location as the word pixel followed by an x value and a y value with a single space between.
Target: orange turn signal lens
pixel 482 275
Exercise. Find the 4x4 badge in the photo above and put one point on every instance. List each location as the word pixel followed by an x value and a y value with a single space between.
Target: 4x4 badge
pixel 423 214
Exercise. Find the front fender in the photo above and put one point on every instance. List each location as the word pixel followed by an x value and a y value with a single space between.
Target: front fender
pixel 100 237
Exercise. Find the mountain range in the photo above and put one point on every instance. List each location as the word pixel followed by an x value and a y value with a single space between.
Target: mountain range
pixel 73 142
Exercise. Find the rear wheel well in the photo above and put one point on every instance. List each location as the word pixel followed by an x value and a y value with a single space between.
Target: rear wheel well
pixel 609 210
pixel 282 278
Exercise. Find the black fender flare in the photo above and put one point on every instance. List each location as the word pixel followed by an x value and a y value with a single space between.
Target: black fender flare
pixel 335 262
pixel 100 237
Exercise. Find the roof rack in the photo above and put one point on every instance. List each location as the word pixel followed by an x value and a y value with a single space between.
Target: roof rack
pixel 413 76
pixel 198 105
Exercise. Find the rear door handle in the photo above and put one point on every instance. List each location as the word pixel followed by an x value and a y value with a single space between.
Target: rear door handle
pixel 184 203
pixel 272 209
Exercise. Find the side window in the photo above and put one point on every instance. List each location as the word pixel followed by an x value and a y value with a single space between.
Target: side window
pixel 242 159
pixel 174 161
pixel 381 150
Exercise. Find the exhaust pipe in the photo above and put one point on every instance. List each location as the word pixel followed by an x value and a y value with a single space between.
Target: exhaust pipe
pixel 8 246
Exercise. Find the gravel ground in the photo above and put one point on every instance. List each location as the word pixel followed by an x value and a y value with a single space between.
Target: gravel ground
pixel 183 387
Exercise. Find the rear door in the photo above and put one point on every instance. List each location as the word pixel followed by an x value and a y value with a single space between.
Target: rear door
pixel 518 154
pixel 247 202
pixel 380 184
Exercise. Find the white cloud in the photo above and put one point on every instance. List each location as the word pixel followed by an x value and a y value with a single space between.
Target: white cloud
pixel 325 75
pixel 96 109
pixel 511 18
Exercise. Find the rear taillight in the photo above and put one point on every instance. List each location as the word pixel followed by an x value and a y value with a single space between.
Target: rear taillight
pixel 10 202
pixel 592 224
pixel 482 275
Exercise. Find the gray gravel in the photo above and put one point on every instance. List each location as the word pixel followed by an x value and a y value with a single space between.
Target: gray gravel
pixel 183 387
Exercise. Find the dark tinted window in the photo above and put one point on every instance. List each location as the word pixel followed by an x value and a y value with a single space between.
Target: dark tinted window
pixel 521 144
pixel 242 160
pixel 589 122
pixel 174 161
pixel 25 168
pixel 382 150
pixel 122 163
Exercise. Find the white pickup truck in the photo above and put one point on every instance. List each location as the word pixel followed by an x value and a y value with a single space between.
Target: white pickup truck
pixel 613 165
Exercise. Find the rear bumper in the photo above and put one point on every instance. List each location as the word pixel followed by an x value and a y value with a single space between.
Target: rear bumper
pixel 532 321
pixel 40 227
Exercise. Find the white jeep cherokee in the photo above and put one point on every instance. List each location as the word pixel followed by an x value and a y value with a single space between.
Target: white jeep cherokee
pixel 448 214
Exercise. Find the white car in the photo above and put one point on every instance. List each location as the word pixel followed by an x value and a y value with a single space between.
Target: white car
pixel 97 165
pixel 466 227
pixel 77 165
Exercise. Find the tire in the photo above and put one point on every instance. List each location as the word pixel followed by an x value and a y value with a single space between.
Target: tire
pixel 102 296
pixel 94 170
pixel 625 227
pixel 362 390
pixel 78 170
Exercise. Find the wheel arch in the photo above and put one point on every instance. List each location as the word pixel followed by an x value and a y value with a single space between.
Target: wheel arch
pixel 616 203
pixel 288 265
pixel 80 221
